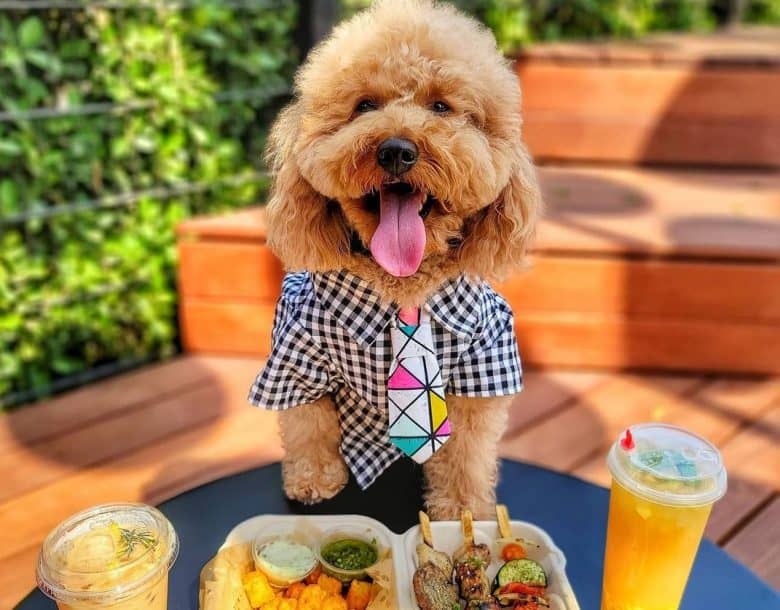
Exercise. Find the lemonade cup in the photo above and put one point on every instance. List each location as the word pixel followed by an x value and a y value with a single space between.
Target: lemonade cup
pixel 113 556
pixel 664 483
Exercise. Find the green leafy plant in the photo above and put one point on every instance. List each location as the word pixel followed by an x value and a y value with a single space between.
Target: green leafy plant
pixel 519 22
pixel 763 11
pixel 115 124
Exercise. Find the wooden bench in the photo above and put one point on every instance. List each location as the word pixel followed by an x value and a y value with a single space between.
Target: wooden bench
pixel 634 268
pixel 706 100
pixel 675 267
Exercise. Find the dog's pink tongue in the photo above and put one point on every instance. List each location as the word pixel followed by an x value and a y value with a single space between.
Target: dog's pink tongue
pixel 399 240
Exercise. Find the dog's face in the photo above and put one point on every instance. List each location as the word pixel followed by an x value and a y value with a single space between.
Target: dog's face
pixel 403 150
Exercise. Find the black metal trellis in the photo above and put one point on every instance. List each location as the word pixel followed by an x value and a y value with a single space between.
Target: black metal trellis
pixel 72 381
pixel 315 19
pixel 125 199
pixel 33 114
pixel 117 200
pixel 76 5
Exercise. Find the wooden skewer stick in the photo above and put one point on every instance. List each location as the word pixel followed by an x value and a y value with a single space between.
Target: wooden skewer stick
pixel 502 516
pixel 505 527
pixel 425 529
pixel 467 521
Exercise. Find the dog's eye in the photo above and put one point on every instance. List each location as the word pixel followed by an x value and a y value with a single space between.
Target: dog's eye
pixel 366 106
pixel 440 107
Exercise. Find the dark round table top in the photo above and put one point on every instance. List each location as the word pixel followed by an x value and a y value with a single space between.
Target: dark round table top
pixel 572 511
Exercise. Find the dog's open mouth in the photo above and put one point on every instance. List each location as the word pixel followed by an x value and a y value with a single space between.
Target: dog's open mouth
pixel 398 243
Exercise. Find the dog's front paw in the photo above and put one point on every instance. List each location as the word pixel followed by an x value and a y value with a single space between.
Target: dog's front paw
pixel 311 479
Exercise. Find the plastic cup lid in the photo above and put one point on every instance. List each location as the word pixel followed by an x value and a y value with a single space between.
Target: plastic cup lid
pixel 668 465
pixel 106 553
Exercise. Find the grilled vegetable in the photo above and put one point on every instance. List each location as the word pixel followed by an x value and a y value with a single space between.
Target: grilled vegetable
pixel 519 601
pixel 525 571
pixel 480 604
pixel 518 588
pixel 512 551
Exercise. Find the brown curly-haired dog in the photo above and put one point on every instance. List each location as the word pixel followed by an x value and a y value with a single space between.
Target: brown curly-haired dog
pixel 407 104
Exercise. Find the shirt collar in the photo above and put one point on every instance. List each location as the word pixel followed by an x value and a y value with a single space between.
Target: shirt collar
pixel 456 306
pixel 361 312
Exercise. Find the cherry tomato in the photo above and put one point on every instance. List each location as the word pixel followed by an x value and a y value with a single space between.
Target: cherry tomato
pixel 512 551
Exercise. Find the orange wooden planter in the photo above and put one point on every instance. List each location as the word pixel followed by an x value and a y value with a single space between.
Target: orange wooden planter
pixel 633 269
pixel 665 99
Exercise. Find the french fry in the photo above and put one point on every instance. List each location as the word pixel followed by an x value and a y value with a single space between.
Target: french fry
pixel 425 529
pixel 502 517
pixel 467 521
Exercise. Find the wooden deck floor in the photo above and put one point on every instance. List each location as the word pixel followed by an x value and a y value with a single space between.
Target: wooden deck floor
pixel 156 432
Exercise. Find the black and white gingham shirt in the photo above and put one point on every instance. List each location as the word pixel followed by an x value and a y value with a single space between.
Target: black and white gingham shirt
pixel 331 336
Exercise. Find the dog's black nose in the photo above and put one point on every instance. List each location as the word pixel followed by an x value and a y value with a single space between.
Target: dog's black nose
pixel 396 155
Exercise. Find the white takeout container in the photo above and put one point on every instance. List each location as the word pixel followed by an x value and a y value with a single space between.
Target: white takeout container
pixel 447 537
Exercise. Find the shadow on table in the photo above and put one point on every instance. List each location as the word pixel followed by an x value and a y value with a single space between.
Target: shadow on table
pixel 128 424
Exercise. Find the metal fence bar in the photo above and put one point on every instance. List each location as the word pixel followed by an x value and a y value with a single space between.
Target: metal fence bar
pixel 230 95
pixel 85 109
pixel 27 5
pixel 71 381
pixel 44 305
pixel 123 199
pixel 315 20
pixel 256 93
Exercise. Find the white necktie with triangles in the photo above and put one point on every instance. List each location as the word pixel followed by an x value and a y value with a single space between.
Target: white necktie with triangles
pixel 419 425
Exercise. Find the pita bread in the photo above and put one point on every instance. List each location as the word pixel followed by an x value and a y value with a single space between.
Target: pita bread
pixel 220 579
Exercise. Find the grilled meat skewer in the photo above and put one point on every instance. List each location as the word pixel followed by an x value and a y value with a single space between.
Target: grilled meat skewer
pixel 425 551
pixel 471 561
pixel 471 577
pixel 432 582
pixel 433 589
pixel 426 554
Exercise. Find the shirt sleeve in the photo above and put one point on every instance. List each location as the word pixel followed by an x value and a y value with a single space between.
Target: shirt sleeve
pixel 297 371
pixel 490 366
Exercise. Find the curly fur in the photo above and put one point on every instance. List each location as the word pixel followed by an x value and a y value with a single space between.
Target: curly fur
pixel 404 55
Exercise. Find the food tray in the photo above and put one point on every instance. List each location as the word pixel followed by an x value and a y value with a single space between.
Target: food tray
pixel 447 537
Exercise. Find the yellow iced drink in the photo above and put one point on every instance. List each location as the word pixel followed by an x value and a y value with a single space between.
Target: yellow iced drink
pixel 113 556
pixel 665 481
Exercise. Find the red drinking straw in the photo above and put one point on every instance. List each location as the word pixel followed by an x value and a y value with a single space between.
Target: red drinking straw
pixel 627 442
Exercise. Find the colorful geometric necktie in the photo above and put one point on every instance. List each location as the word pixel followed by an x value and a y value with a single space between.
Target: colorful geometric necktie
pixel 418 414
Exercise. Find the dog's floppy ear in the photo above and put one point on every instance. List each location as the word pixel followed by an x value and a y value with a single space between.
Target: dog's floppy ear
pixel 496 238
pixel 304 230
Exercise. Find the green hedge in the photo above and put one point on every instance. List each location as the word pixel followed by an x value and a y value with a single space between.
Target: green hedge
pixel 519 22
pixel 157 114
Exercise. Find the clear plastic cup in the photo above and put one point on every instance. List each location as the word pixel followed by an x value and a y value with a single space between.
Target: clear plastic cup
pixel 113 556
pixel 282 576
pixel 359 534
pixel 664 483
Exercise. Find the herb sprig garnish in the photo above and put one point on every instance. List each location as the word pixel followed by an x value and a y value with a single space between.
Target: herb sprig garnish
pixel 130 538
